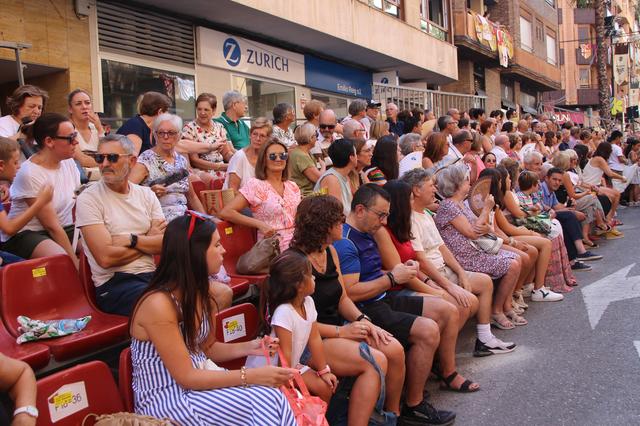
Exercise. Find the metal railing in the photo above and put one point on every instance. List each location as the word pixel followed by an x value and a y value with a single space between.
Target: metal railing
pixel 438 102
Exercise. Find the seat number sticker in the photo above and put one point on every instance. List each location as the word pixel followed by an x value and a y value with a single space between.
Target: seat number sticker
pixel 39 272
pixel 234 328
pixel 67 400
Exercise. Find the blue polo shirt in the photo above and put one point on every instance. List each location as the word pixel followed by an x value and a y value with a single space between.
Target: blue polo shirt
pixel 549 198
pixel 359 254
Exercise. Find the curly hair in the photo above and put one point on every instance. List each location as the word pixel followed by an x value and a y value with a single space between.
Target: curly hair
pixel 315 217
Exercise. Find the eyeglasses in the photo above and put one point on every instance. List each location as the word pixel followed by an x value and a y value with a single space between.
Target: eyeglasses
pixel 112 158
pixel 274 155
pixel 196 215
pixel 327 126
pixel 69 138
pixel 169 134
pixel 381 215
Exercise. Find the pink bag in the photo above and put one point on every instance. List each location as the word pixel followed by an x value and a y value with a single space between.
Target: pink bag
pixel 308 410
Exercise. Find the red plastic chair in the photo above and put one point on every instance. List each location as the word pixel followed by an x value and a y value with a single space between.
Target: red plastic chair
pixel 237 240
pixel 49 288
pixel 65 398
pixel 33 353
pixel 236 324
pixel 125 378
pixel 198 187
pixel 217 183
pixel 86 278
pixel 239 286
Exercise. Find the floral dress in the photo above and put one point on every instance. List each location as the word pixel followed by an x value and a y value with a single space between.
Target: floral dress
pixel 174 202
pixel 193 131
pixel 469 257
pixel 268 206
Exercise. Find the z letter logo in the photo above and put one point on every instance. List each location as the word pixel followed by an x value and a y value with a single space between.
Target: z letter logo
pixel 231 51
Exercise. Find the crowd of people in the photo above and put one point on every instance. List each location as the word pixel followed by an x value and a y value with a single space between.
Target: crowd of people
pixel 381 236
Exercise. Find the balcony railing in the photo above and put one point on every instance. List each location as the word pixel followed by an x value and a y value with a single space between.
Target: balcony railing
pixel 438 102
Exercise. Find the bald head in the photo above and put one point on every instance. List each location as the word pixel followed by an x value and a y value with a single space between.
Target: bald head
pixel 502 141
pixel 328 116
pixel 523 126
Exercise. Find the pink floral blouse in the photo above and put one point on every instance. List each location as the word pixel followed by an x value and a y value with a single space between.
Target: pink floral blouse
pixel 269 207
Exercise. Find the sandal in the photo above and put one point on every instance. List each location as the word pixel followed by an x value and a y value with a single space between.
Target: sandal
pixel 590 244
pixel 516 319
pixel 464 388
pixel 502 322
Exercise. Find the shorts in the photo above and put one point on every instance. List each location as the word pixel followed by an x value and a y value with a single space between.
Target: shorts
pixel 25 242
pixel 395 314
pixel 120 294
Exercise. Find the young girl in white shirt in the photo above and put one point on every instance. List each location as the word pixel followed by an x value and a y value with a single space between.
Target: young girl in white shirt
pixel 290 316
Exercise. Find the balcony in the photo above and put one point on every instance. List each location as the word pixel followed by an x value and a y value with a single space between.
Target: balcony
pixel 588 96
pixel 484 41
pixel 540 74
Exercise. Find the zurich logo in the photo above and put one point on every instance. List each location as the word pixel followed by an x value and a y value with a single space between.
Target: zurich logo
pixel 384 80
pixel 231 51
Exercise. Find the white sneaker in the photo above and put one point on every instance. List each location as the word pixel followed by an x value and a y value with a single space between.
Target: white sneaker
pixel 544 294
pixel 527 289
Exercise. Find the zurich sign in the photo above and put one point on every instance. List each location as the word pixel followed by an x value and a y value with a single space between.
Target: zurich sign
pixel 232 52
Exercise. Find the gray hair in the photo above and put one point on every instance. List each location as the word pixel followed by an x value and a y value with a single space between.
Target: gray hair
pixel 531 156
pixel 230 97
pixel 450 179
pixel 124 142
pixel 357 106
pixel 172 118
pixel 349 127
pixel 280 112
pixel 304 133
pixel 572 153
pixel 416 177
pixel 408 142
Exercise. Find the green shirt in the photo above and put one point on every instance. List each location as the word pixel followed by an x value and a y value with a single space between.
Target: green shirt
pixel 299 161
pixel 237 131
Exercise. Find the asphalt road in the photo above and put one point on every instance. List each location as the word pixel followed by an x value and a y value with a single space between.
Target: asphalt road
pixel 577 361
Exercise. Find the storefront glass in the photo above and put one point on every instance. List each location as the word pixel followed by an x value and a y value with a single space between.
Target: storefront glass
pixel 337 104
pixel 122 85
pixel 262 96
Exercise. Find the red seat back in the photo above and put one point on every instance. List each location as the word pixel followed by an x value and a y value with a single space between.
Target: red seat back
pixel 65 398
pixel 125 378
pixel 217 183
pixel 198 187
pixel 237 324
pixel 86 279
pixel 236 240
pixel 45 288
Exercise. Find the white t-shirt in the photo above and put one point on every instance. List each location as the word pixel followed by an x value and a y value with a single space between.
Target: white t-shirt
pixel 92 143
pixel 614 162
pixel 426 238
pixel 240 165
pixel 8 126
pixel 121 214
pixel 30 180
pixel 500 154
pixel 285 316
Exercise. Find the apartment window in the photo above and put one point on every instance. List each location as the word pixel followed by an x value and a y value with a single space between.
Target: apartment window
pixel 479 79
pixel 392 7
pixel 434 18
pixel 528 99
pixel 584 34
pixel 526 41
pixel 552 56
pixel 584 77
pixel 551 3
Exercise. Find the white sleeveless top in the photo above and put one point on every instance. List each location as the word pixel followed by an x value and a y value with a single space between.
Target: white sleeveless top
pixel 592 175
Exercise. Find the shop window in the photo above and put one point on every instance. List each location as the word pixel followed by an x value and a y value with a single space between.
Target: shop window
pixel 122 85
pixel 526 42
pixel 336 103
pixel 528 99
pixel 262 96
pixel 392 7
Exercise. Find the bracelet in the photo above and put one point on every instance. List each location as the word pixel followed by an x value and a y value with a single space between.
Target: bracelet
pixel 337 331
pixel 324 371
pixel 363 316
pixel 392 280
pixel 243 377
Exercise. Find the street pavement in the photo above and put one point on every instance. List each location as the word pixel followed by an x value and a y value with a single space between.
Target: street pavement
pixel 577 361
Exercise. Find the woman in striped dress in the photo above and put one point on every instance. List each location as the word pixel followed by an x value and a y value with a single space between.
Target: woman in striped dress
pixel 172 344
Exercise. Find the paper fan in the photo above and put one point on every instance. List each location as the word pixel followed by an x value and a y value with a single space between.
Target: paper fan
pixel 477 194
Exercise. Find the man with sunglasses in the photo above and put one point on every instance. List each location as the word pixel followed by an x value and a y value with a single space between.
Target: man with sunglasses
pixel 122 226
pixel 327 123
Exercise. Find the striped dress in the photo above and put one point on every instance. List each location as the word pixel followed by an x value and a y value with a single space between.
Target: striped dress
pixel 157 394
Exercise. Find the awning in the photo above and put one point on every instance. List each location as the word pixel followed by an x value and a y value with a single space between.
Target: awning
pixel 529 109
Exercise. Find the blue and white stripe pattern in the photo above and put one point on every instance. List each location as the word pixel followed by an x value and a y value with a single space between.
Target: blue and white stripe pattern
pixel 157 394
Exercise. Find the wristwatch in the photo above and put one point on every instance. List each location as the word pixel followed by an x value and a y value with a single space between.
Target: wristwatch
pixel 363 316
pixel 134 241
pixel 28 409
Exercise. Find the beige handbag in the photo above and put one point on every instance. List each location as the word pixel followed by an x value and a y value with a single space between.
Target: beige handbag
pixel 256 261
pixel 126 419
pixel 214 200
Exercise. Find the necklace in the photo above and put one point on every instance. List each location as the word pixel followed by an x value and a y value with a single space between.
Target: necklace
pixel 319 261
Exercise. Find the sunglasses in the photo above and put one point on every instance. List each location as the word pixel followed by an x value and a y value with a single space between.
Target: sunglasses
pixel 69 138
pixel 197 215
pixel 112 158
pixel 327 126
pixel 283 156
